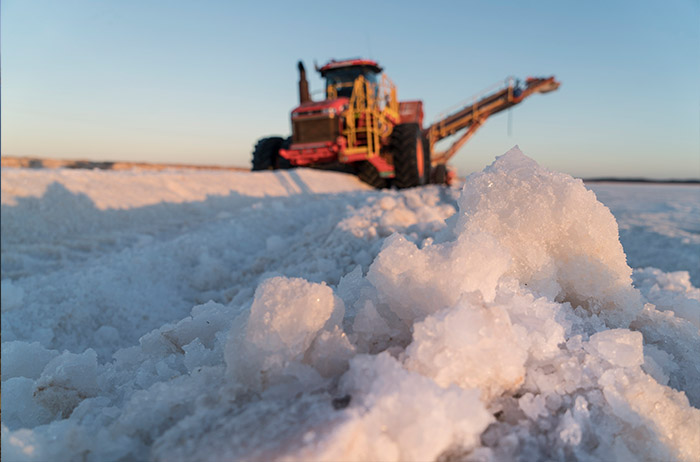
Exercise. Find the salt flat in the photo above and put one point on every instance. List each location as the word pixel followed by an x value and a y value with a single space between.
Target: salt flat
pixel 300 315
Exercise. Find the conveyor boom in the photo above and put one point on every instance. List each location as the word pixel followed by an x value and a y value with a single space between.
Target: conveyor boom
pixel 472 116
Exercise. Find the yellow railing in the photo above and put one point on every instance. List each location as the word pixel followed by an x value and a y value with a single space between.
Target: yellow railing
pixel 391 108
pixel 378 106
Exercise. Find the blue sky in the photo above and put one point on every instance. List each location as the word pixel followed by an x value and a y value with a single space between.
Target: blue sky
pixel 200 82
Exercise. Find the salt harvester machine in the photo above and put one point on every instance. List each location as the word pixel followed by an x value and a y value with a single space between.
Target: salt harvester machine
pixel 363 128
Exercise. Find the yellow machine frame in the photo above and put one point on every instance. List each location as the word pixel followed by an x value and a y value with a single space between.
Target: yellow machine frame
pixel 377 106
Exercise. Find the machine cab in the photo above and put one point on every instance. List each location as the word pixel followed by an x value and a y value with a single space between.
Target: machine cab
pixel 340 75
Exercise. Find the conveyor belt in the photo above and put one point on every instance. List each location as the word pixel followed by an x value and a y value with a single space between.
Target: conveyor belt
pixel 471 116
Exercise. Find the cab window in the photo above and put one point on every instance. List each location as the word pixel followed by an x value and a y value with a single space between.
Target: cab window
pixel 343 79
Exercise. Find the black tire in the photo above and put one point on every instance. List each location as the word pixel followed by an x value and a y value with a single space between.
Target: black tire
pixel 281 162
pixel 427 156
pixel 440 174
pixel 266 153
pixel 406 146
pixel 370 175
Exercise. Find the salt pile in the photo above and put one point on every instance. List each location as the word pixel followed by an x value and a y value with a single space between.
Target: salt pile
pixel 510 332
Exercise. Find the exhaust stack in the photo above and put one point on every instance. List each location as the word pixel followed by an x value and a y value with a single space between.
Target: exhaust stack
pixel 304 96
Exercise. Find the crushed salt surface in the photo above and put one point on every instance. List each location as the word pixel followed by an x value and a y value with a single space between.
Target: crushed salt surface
pixel 298 316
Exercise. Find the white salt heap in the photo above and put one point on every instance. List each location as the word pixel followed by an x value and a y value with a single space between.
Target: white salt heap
pixel 510 332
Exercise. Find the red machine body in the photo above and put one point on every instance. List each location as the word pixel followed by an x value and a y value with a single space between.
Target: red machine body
pixel 308 147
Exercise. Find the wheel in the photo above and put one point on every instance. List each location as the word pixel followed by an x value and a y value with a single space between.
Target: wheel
pixel 440 174
pixel 369 174
pixel 406 146
pixel 266 153
pixel 427 156
pixel 280 162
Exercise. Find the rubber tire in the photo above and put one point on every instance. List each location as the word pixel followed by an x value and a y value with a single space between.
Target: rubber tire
pixel 404 146
pixel 427 156
pixel 368 173
pixel 440 174
pixel 266 153
pixel 280 162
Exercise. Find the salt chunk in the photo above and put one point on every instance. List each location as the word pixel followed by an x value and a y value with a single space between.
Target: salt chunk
pixel 569 430
pixel 22 359
pixel 288 312
pixel 369 326
pixel 534 406
pixel 450 347
pixel 537 323
pixel 349 289
pixel 581 408
pixel 416 282
pixel 659 364
pixel 197 355
pixel 331 352
pixel 647 408
pixel 563 242
pixel 620 347
pixel 397 415
pixel 553 402
pixel 19 408
pixel 285 318
pixel 66 381
pixel 670 292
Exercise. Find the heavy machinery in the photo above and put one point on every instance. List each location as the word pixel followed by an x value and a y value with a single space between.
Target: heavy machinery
pixel 362 127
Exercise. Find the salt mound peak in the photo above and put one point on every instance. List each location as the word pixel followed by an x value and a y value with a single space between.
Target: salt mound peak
pixel 512 162
pixel 518 223
pixel 563 243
